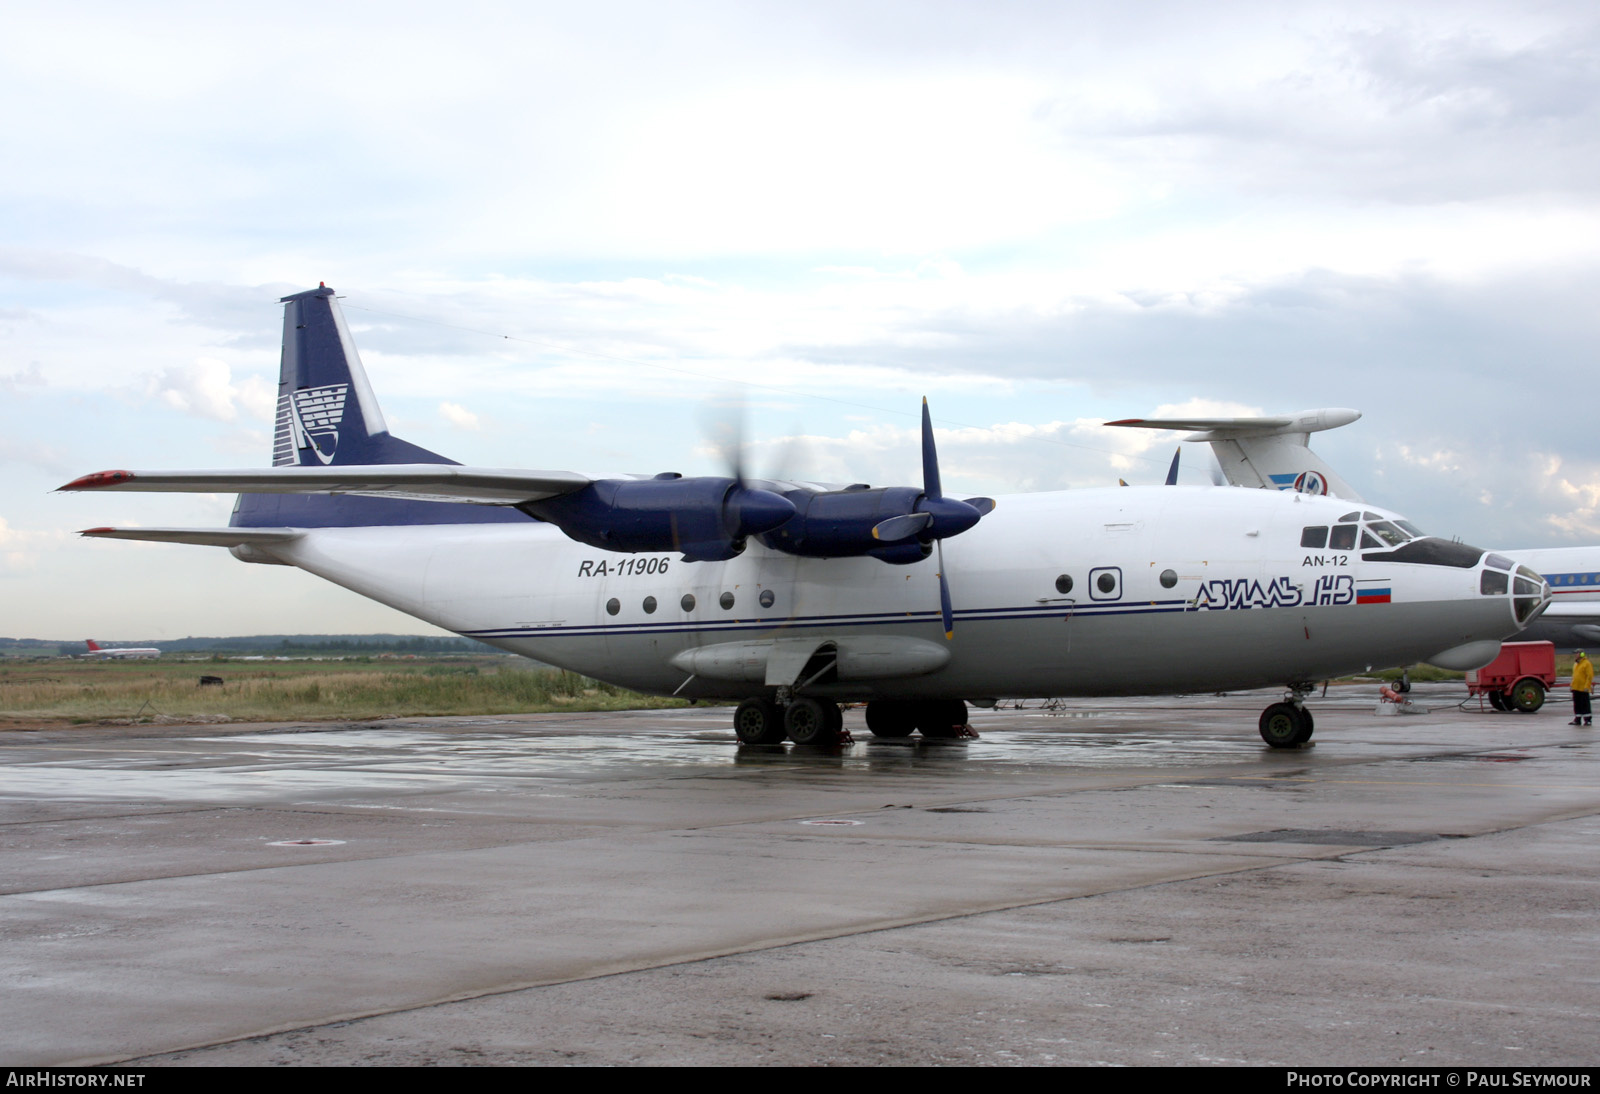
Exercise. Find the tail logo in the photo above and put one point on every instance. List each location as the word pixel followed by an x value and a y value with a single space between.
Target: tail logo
pixel 309 418
pixel 1309 482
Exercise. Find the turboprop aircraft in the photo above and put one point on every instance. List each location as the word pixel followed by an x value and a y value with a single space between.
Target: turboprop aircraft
pixel 790 597
pixel 1274 453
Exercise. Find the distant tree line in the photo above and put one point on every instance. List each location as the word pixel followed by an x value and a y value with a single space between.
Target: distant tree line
pixel 275 644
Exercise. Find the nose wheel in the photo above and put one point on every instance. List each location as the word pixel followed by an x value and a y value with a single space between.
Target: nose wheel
pixel 1286 725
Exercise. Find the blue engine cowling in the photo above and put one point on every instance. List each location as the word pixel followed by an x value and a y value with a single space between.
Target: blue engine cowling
pixel 839 524
pixel 707 519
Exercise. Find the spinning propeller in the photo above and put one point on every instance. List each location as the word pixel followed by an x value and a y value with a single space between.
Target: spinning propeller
pixel 934 518
pixel 709 519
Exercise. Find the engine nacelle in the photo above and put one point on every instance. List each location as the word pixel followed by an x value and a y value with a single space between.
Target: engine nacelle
pixel 839 523
pixel 707 519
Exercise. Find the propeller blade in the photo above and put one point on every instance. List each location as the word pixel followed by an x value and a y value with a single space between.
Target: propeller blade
pixel 930 457
pixel 1172 472
pixel 946 613
pixel 723 426
pixel 901 527
pixel 984 506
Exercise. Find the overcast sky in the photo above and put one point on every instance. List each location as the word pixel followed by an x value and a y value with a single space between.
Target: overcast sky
pixel 566 233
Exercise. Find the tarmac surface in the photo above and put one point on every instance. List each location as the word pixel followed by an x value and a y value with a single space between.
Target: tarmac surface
pixel 1111 882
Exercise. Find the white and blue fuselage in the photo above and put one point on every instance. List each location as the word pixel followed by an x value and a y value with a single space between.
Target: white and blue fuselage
pixel 1088 592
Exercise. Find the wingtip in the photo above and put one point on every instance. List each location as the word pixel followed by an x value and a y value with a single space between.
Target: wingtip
pixel 96 479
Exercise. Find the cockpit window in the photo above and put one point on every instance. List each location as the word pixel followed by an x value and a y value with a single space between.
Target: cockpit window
pixel 1492 583
pixel 1412 528
pixel 1316 537
pixel 1387 532
pixel 1349 517
pixel 1369 542
pixel 1343 538
pixel 1500 562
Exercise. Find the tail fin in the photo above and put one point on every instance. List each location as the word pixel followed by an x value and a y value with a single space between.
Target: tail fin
pixel 327 414
pixel 94 647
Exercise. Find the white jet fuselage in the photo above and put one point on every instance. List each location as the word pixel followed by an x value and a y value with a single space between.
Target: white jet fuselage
pixel 1172 589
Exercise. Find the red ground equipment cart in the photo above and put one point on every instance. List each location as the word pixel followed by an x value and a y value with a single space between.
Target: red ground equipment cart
pixel 1518 678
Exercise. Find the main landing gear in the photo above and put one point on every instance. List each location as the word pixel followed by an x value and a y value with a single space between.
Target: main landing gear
pixel 1288 724
pixel 804 721
pixel 819 722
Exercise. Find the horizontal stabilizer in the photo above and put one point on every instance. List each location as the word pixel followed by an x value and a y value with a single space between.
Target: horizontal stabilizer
pixel 422 481
pixel 204 537
pixel 1305 421
pixel 1268 453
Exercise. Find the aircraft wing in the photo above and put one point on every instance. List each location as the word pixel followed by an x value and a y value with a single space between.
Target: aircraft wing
pixel 205 537
pixel 425 481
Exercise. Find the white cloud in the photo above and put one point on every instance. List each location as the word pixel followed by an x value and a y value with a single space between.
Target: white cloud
pixel 20 548
pixel 459 416
pixel 206 389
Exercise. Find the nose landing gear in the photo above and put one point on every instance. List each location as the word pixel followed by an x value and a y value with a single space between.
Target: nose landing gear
pixel 1288 724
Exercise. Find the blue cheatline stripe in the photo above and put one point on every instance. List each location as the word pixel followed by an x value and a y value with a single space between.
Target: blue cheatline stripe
pixel 806 622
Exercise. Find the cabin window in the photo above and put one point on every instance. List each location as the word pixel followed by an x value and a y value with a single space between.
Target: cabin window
pixel 1342 538
pixel 613 606
pixel 1315 538
pixel 1105 583
pixel 649 605
pixel 687 602
pixel 768 598
pixel 1169 578
pixel 726 601
pixel 1064 583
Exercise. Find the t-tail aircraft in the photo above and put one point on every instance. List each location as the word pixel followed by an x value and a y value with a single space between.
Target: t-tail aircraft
pixel 791 597
pixel 1274 453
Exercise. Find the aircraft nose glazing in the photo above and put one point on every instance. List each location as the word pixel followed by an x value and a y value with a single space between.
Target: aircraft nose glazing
pixel 1530 595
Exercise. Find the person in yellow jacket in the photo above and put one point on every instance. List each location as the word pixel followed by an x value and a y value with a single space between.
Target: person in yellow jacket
pixel 1582 681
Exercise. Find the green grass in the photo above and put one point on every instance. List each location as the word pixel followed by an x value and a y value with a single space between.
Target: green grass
pixel 271 691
